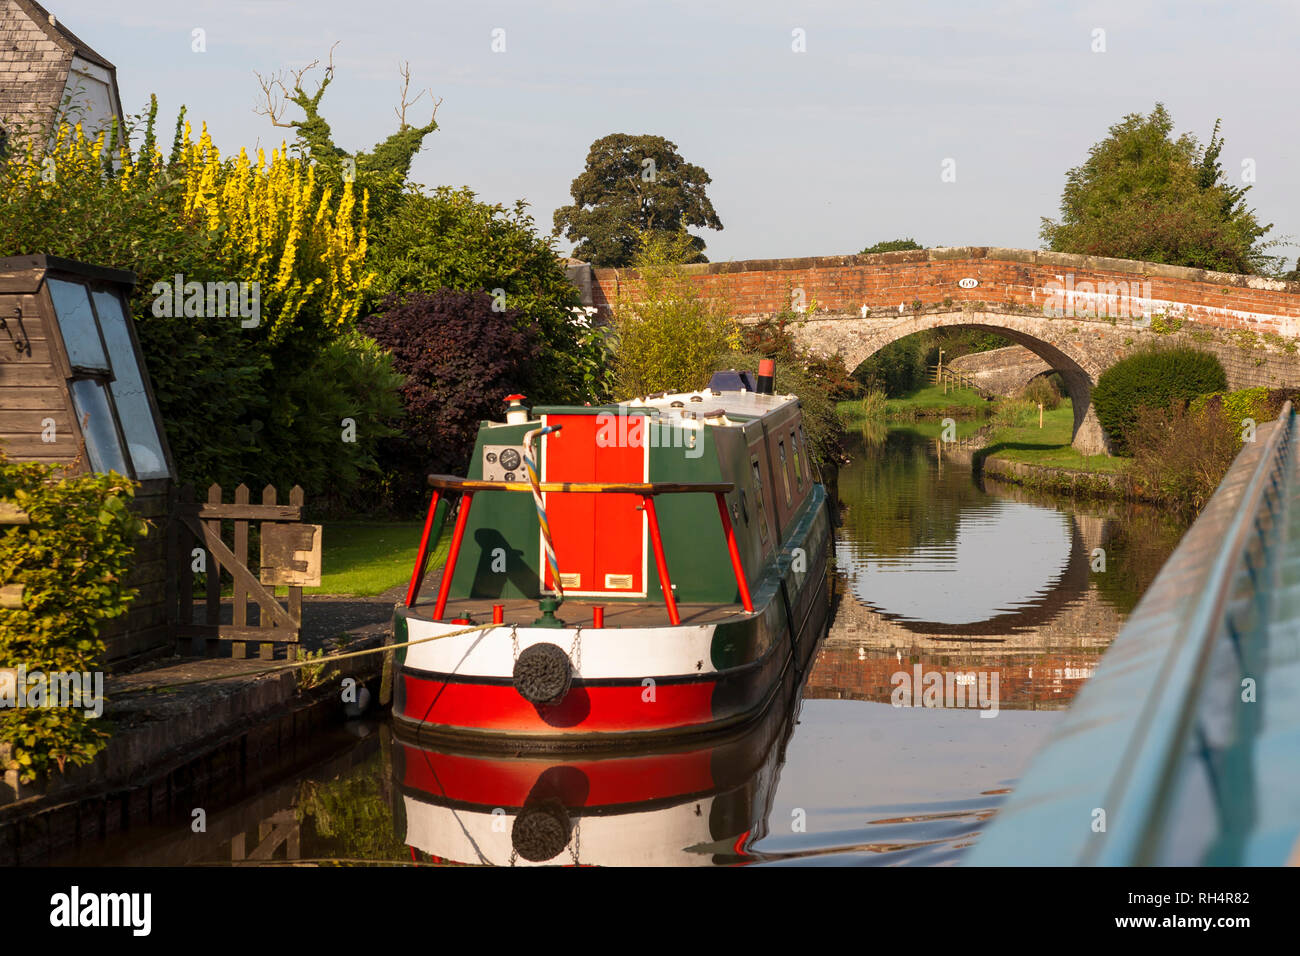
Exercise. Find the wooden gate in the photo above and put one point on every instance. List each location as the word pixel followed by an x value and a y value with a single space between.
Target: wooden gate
pixel 291 555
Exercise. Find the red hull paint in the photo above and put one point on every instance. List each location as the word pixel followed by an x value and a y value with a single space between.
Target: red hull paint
pixel 499 708
pixel 580 783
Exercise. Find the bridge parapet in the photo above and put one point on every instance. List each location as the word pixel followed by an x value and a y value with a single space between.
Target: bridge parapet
pixel 1082 287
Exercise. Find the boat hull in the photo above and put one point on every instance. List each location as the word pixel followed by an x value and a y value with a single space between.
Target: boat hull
pixel 629 684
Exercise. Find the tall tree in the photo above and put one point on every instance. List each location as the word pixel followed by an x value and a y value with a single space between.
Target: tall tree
pixel 1142 194
pixel 892 245
pixel 382 171
pixel 632 184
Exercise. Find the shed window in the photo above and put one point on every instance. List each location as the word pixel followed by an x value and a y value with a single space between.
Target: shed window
pixel 77 323
pixel 108 390
pixel 133 408
pixel 96 418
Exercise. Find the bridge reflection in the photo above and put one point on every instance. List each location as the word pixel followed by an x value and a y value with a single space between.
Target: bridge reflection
pixel 1042 642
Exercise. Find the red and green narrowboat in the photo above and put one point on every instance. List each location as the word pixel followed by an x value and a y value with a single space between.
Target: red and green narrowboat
pixel 620 573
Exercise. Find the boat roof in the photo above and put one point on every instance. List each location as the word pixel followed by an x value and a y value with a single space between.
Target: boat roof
pixel 707 403
pixel 731 406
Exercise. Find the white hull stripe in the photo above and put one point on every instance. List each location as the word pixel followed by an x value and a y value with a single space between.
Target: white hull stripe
pixel 595 653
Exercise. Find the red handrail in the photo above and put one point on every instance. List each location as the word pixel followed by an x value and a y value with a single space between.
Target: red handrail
pixel 647 490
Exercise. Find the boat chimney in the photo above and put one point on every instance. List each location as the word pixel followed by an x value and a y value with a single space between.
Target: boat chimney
pixel 516 413
pixel 766 372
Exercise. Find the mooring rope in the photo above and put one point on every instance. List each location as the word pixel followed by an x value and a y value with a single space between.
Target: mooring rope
pixel 530 462
pixel 306 662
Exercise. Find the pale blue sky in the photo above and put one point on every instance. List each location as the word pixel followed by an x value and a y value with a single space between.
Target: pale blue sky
pixel 814 153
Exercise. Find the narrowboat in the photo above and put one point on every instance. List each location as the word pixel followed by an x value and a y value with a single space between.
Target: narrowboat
pixel 705 802
pixel 619 574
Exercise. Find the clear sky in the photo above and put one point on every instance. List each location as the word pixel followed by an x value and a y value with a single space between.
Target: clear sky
pixel 812 153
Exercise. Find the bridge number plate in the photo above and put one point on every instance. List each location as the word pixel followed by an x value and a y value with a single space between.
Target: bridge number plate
pixel 968 283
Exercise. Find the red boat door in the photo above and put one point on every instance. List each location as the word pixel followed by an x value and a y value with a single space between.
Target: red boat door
pixel 600 539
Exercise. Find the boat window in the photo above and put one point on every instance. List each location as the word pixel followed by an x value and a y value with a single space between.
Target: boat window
pixel 798 465
pixel 758 499
pixel 785 471
pixel 813 470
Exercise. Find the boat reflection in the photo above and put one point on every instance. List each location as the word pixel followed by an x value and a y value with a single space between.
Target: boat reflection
pixel 703 804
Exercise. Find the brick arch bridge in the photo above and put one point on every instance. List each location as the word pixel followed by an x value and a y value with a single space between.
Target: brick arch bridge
pixel 1079 314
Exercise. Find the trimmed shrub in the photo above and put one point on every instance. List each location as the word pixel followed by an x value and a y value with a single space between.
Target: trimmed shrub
pixel 72 560
pixel 1152 379
pixel 461 358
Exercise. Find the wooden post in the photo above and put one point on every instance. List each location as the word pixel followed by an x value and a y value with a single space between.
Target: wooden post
pixel 238 649
pixel 212 612
pixel 1040 414
pixel 266 650
pixel 296 497
pixel 185 568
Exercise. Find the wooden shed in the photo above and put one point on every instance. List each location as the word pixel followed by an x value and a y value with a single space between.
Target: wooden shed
pixel 74 391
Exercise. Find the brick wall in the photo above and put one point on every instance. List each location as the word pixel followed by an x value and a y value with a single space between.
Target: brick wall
pixel 1008 277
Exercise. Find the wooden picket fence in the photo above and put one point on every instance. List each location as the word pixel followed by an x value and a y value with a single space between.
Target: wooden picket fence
pixel 199 526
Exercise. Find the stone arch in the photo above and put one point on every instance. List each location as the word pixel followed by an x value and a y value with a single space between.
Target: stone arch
pixel 859 339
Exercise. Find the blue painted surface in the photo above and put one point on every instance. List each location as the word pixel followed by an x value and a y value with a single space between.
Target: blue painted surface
pixel 1184 747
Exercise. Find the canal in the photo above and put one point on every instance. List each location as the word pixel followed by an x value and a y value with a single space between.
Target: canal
pixel 967 616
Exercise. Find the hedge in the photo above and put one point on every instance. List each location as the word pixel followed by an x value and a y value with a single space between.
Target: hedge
pixel 1155 379
pixel 72 559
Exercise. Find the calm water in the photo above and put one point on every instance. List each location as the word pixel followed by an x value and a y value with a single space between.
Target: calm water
pixel 966 620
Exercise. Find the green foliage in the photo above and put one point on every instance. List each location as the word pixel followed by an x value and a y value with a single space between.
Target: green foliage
pixel 351 816
pixel 1015 413
pixel 448 239
pixel 1163 324
pixel 1153 378
pixel 381 172
pixel 820 382
pixel 903 366
pixel 339 412
pixel 892 245
pixel 237 407
pixel 461 357
pixel 1181 453
pixel 1041 389
pixel 1244 403
pixel 634 185
pixel 1144 195
pixel 670 338
pixel 72 561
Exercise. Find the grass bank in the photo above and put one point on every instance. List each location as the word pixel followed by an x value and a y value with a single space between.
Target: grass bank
pixel 369 557
pixel 1049 446
pixel 931 402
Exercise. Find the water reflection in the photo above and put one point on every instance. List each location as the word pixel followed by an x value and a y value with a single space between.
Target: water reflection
pixel 940 579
